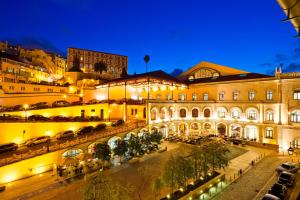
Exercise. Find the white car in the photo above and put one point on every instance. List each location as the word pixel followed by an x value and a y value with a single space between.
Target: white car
pixel 288 167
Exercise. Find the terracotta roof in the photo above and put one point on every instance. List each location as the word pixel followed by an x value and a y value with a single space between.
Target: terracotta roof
pixel 154 74
pixel 246 76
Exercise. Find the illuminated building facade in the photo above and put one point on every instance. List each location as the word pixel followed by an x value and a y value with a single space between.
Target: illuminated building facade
pixel 86 59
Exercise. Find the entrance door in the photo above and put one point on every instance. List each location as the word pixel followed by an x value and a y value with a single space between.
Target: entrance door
pixel 82 113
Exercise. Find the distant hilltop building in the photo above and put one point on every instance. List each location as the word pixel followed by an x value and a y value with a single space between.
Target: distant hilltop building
pixel 105 65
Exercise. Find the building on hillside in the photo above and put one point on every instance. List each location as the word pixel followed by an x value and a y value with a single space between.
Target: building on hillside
pixel 86 59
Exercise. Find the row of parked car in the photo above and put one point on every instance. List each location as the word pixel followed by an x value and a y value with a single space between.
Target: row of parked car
pixel 69 134
pixel 286 178
pixel 195 141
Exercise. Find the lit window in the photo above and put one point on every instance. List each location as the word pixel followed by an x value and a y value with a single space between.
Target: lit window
pixel 194 97
pixel 221 96
pixel 182 97
pixel 235 114
pixel 206 112
pixel 235 95
pixel 270 116
pixel 296 95
pixel 269 132
pixel 252 115
pixel 169 97
pixel 251 95
pixel 269 95
pixel 205 97
pixel 295 116
pixel 158 97
pixel 221 113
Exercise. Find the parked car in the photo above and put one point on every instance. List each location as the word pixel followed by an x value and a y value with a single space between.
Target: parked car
pixel 7 117
pixel 118 122
pixel 94 118
pixel 38 140
pixel 65 134
pixel 61 103
pixel 76 103
pixel 100 127
pixel 270 197
pixel 278 190
pixel 39 105
pixel 288 167
pixel 38 118
pixel 286 178
pixel 80 119
pixel 2 188
pixel 61 118
pixel 84 130
pixel 93 101
pixel 8 147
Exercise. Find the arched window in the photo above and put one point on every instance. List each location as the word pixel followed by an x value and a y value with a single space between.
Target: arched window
pixel 252 115
pixel 235 114
pixel 221 113
pixel 182 113
pixel 295 116
pixel 195 112
pixel 163 114
pixel 206 112
pixel 153 114
pixel 269 132
pixel 207 126
pixel 270 116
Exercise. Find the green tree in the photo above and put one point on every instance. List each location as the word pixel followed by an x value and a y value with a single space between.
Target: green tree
pixel 183 171
pixel 124 73
pixel 134 145
pixel 102 151
pixel 100 66
pixel 169 173
pixel 100 187
pixel 157 186
pixel 156 136
pixel 218 152
pixel 146 59
pixel 120 148
pixel 76 64
pixel 196 161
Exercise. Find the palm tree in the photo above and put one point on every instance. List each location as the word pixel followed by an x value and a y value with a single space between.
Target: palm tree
pixel 147 59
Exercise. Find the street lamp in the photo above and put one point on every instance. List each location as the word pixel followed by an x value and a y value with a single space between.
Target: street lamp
pixel 25 106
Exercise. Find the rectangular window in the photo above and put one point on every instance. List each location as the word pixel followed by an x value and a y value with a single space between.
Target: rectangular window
pixel 296 95
pixel 251 95
pixel 205 97
pixel 194 97
pixel 269 133
pixel 269 95
pixel 235 95
pixel 221 96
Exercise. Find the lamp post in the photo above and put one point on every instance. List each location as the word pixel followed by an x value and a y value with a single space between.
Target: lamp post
pixel 25 106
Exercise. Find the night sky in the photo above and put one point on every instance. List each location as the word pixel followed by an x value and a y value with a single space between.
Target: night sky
pixel 245 34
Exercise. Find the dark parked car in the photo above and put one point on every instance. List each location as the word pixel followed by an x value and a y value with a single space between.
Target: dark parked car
pixel 76 103
pixel 288 167
pixel 61 118
pixel 8 147
pixel 10 118
pixel 61 103
pixel 84 130
pixel 38 140
pixel 64 135
pixel 39 105
pixel 38 118
pixel 93 101
pixel 94 118
pixel 80 119
pixel 278 190
pixel 2 188
pixel 286 178
pixel 118 122
pixel 270 197
pixel 100 127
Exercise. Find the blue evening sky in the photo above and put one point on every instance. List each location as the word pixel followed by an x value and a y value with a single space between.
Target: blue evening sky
pixel 245 34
